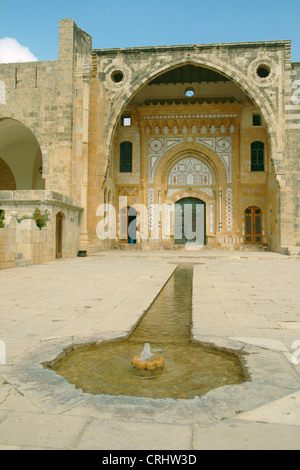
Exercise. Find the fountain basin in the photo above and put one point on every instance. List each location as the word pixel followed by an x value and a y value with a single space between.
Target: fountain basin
pixel 156 362
pixel 186 370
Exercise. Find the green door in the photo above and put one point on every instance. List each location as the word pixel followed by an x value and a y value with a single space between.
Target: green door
pixel 190 222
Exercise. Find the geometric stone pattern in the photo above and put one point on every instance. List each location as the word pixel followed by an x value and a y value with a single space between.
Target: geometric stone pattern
pixel 229 209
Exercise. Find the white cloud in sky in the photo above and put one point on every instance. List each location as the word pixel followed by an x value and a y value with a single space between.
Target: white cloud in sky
pixel 12 51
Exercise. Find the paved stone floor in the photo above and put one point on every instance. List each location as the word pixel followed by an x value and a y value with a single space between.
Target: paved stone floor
pixel 247 302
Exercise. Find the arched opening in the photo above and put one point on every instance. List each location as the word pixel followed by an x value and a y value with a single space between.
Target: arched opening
pixel 59 235
pixel 187 111
pixel 20 151
pixel 193 73
pixel 189 222
pixel 7 179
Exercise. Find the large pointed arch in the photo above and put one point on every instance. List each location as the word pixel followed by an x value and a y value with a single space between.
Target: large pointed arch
pixel 230 71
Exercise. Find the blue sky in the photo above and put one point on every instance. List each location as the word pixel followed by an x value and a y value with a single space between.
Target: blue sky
pixel 132 23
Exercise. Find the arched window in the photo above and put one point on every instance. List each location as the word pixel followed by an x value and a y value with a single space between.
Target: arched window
pixel 126 157
pixel 257 156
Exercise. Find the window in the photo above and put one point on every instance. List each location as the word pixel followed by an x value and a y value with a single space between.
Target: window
pixel 189 92
pixel 257 156
pixel 117 76
pixel 126 157
pixel 256 120
pixel 126 121
pixel 263 71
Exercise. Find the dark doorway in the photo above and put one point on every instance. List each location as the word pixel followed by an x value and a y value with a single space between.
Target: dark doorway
pixel 190 226
pixel 128 217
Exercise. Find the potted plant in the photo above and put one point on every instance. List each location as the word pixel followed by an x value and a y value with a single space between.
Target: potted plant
pixel 41 217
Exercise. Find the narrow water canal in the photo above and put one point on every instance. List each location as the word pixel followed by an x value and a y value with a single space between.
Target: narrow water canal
pixel 190 368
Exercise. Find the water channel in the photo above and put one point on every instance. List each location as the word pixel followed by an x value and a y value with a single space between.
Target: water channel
pixel 190 368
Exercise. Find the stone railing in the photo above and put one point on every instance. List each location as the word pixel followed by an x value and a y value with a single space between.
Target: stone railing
pixel 24 243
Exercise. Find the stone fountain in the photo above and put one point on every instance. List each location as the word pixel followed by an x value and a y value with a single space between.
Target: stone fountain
pixel 148 360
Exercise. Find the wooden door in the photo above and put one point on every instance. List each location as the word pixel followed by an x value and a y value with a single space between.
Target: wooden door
pixel 253 225
pixel 59 234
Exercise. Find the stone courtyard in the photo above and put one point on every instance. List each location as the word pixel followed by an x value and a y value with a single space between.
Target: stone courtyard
pixel 245 301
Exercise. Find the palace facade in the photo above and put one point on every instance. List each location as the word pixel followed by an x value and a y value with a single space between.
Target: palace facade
pixel 154 147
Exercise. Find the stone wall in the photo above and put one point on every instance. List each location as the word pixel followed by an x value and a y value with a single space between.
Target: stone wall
pixel 8 245
pixel 24 243
pixel 41 95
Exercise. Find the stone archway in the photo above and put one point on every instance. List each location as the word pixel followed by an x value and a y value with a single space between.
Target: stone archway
pixel 177 126
pixel 20 151
pixel 234 73
pixel 7 179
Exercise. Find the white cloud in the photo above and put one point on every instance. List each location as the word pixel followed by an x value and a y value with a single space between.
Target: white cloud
pixel 12 51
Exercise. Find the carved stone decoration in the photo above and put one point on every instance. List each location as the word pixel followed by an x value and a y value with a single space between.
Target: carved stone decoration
pixel 151 209
pixel 208 191
pixel 157 148
pixel 253 191
pixel 130 192
pixel 211 218
pixel 229 210
pixel 190 171
pixel 222 146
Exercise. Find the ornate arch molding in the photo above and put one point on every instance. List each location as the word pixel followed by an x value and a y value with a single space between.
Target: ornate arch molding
pixel 182 194
pixel 230 70
pixel 197 151
pixel 253 202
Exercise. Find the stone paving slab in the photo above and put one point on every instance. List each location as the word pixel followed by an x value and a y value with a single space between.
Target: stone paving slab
pixel 237 435
pixel 283 411
pixel 247 303
pixel 135 436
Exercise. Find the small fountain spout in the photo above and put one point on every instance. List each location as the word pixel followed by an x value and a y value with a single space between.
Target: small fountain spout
pixel 147 360
pixel 146 354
